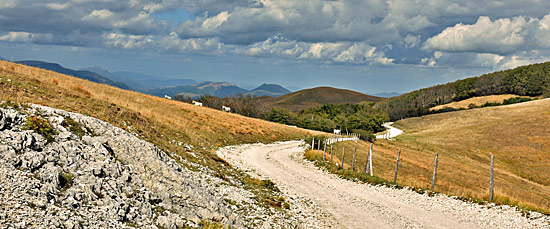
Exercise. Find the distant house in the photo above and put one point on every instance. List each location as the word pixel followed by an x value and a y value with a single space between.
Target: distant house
pixel 337 131
pixel 226 109
pixel 167 97
pixel 197 103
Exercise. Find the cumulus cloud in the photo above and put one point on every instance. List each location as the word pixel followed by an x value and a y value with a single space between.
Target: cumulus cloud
pixel 125 41
pixel 26 37
pixel 425 32
pixel 174 43
pixel 501 36
pixel 345 52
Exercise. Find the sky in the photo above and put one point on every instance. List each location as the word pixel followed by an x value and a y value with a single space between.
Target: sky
pixel 370 46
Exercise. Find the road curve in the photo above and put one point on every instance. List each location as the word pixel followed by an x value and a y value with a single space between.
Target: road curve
pixel 354 205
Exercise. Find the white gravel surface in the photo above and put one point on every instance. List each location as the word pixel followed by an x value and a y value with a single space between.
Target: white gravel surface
pixel 393 132
pixel 339 203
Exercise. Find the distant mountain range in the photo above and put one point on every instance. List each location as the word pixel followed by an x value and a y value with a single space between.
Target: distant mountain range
pixel 386 94
pixel 314 97
pixel 219 89
pixel 83 74
pixel 141 82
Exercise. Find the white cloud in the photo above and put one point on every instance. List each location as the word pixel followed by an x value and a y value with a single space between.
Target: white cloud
pixel 101 15
pixel 343 52
pixel 125 41
pixel 4 4
pixel 26 37
pixel 173 43
pixel 501 36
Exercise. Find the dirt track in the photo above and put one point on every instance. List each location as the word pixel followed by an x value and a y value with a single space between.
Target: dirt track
pixel 347 204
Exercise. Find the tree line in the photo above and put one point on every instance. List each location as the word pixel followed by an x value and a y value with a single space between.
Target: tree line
pixel 361 118
pixel 531 80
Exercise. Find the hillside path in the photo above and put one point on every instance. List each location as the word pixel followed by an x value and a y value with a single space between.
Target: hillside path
pixel 392 131
pixel 353 205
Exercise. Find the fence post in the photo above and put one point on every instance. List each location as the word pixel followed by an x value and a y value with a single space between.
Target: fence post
pixel 313 144
pixel 370 159
pixel 324 151
pixel 343 153
pixel 353 162
pixel 491 182
pixel 330 153
pixel 435 170
pixel 319 144
pixel 396 166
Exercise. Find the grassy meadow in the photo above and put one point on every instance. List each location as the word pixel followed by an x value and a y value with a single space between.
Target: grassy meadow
pixel 516 134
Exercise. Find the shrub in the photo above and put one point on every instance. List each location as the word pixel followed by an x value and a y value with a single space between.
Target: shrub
pixel 75 127
pixel 366 135
pixel 41 126
pixel 515 100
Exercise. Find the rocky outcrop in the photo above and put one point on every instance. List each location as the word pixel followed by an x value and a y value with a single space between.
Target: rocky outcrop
pixel 92 174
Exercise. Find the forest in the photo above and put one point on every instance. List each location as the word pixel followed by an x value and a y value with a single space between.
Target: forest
pixel 531 80
pixel 362 118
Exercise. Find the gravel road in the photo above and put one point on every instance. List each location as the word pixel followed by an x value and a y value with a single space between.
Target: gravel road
pixel 339 203
pixel 392 131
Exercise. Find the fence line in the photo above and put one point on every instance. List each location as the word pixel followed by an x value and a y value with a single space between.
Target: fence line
pixel 369 166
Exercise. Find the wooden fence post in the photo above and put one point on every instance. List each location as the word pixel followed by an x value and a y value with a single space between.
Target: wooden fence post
pixel 353 162
pixel 435 170
pixel 396 166
pixel 491 182
pixel 313 144
pixel 330 153
pixel 343 153
pixel 370 159
pixel 324 151
pixel 319 144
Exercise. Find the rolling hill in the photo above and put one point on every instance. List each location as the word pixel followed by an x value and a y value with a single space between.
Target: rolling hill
pixel 141 82
pixel 465 141
pixel 531 80
pixel 314 97
pixel 187 134
pixel 273 90
pixel 83 74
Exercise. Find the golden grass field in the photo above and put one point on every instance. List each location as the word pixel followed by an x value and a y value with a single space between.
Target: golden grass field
pixel 162 122
pixel 478 101
pixel 516 134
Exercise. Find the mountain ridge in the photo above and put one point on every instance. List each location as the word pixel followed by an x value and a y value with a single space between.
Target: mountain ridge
pixel 83 74
pixel 317 96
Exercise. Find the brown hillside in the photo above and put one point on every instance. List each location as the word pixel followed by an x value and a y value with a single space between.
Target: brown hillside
pixel 160 121
pixel 478 101
pixel 314 97
pixel 516 134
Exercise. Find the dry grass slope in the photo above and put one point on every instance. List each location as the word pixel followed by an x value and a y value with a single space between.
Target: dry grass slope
pixel 516 134
pixel 478 101
pixel 160 121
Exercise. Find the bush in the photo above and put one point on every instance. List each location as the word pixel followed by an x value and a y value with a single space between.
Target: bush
pixel 41 126
pixel 515 100
pixel 366 135
pixel 74 126
pixel 317 137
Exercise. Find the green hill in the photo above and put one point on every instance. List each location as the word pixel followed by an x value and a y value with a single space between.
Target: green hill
pixel 315 97
pixel 530 80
